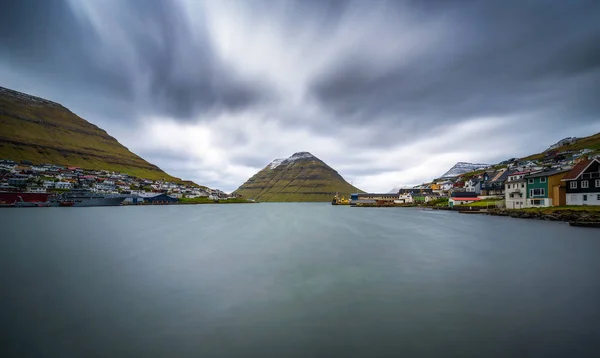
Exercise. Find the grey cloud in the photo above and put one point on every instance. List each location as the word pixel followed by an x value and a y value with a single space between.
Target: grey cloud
pixel 185 77
pixel 49 39
pixel 44 38
pixel 500 58
pixel 255 160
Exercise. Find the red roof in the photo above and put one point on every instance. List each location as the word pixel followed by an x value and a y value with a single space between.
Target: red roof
pixel 466 199
pixel 577 170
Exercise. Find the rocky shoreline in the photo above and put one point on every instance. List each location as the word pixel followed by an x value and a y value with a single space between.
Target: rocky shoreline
pixel 572 216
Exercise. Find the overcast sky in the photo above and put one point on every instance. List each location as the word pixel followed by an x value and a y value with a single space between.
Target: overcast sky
pixel 389 93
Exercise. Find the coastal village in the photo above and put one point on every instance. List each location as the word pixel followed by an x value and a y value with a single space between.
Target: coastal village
pixel 36 182
pixel 569 178
pixel 566 178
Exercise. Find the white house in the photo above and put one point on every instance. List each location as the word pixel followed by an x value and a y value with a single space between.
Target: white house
pixel 404 198
pixel 515 191
pixel 63 185
pixel 48 184
pixel 38 168
pixel 473 185
pixel 36 189
pixel 446 185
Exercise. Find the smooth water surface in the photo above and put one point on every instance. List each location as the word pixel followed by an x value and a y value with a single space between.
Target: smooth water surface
pixel 294 280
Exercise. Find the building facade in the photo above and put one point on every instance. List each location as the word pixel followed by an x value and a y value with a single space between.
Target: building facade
pixel 515 191
pixel 453 201
pixel 159 199
pixel 583 183
pixel 545 188
pixel 473 185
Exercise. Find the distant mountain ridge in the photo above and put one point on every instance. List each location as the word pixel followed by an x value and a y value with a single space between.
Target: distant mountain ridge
pixel 301 177
pixel 570 143
pixel 42 131
pixel 461 168
pixel 562 142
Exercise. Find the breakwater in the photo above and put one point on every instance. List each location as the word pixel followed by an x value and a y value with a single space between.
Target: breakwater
pixel 550 215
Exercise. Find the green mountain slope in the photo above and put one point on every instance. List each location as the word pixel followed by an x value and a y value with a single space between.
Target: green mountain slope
pixel 42 131
pixel 592 142
pixel 301 177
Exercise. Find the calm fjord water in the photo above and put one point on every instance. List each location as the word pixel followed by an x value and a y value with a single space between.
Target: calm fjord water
pixel 294 280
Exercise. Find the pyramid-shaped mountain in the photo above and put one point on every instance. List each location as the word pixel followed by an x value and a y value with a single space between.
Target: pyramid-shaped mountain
pixel 301 177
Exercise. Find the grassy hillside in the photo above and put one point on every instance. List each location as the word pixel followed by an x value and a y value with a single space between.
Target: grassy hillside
pixel 591 142
pixel 302 177
pixel 42 131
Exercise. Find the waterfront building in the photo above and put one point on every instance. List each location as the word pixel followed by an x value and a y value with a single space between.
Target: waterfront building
pixel 515 190
pixel 583 183
pixel 462 200
pixel 545 188
pixel 159 199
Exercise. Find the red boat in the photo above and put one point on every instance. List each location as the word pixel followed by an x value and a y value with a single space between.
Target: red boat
pixel 66 203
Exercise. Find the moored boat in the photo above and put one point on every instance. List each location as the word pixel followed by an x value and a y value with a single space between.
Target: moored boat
pixel 83 197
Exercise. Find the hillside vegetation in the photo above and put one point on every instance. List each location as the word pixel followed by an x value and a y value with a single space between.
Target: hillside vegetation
pixel 300 178
pixel 42 131
pixel 592 142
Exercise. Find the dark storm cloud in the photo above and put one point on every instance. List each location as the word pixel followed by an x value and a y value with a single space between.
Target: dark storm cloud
pixel 184 75
pixel 151 42
pixel 499 58
pixel 44 38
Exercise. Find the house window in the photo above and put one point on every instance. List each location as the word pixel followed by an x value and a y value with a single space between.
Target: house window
pixel 543 180
pixel 598 197
pixel 523 185
pixel 584 197
pixel 573 185
pixel 597 183
pixel 537 192
pixel 585 184
pixel 530 181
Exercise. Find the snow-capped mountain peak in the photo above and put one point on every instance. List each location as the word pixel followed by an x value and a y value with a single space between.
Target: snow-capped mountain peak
pixel 300 155
pixel 463 167
pixel 275 163
pixel 296 156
